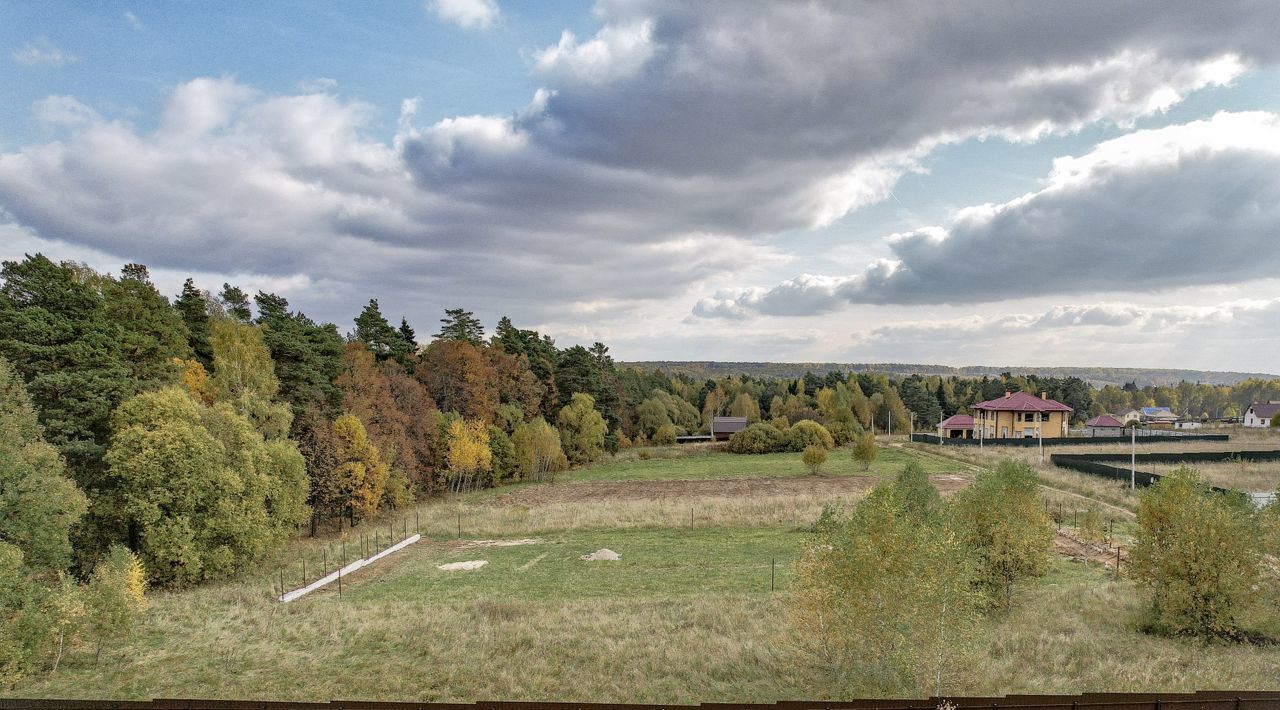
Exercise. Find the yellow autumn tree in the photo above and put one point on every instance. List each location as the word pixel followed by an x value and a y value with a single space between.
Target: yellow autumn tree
pixel 195 379
pixel 538 452
pixel 116 596
pixel 469 456
pixel 361 474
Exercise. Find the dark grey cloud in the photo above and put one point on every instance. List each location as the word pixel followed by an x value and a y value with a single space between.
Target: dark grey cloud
pixel 1183 205
pixel 664 150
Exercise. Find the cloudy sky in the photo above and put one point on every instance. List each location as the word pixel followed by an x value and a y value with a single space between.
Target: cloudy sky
pixel 1084 183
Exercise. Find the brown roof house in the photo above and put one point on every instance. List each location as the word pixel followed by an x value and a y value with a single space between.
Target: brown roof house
pixel 724 427
pixel 1103 425
pixel 956 426
pixel 1019 415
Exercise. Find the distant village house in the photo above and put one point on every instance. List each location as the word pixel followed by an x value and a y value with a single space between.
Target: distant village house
pixel 1103 425
pixel 724 427
pixel 957 426
pixel 1021 415
pixel 1261 414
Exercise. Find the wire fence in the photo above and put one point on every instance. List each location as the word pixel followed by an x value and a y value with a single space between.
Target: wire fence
pixel 1203 700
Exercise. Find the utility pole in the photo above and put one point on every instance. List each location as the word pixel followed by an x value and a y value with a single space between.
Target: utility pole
pixel 1133 458
pixel 1040 432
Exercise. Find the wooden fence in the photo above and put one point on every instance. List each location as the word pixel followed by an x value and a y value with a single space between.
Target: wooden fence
pixel 1203 700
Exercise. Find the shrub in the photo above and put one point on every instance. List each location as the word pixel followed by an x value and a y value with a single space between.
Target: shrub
pixel 885 599
pixel 757 439
pixel 864 452
pixel 116 595
pixel 813 457
pixel 1002 518
pixel 807 432
pixel 917 496
pixel 844 432
pixel 780 423
pixel 1198 555
pixel 665 435
pixel 1090 524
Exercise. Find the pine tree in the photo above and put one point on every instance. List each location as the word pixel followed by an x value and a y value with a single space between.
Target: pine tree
pixel 194 308
pixel 307 357
pixel 407 336
pixel 236 302
pixel 460 324
pixel 373 330
pixel 55 334
pixel 153 333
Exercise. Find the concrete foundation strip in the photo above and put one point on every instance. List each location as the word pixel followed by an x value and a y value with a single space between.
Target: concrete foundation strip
pixel 347 570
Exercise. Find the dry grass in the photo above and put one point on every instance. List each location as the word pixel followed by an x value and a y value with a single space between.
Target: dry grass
pixel 687 615
pixel 1072 631
pixel 1076 630
pixel 1252 476
pixel 1063 486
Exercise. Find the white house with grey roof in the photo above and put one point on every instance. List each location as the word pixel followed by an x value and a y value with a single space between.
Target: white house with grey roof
pixel 1260 414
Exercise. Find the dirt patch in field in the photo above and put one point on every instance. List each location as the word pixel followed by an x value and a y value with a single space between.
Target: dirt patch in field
pixel 551 493
pixel 500 543
pixel 1081 551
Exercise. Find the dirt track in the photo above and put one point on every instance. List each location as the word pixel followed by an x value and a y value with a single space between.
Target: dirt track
pixel 728 488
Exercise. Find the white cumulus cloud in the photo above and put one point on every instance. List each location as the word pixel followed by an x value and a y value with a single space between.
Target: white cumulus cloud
pixel 467 14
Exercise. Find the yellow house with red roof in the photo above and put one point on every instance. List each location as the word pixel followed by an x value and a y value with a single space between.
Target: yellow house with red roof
pixel 1019 415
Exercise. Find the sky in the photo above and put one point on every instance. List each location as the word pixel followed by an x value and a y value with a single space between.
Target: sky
pixel 960 183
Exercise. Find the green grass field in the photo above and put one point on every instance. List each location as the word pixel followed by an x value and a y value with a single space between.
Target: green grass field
pixel 702 464
pixel 685 616
pixel 655 564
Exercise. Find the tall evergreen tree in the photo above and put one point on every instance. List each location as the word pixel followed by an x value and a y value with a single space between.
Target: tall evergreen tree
pixel 236 302
pixel 460 324
pixel 307 357
pixel 194 308
pixel 373 330
pixel 55 333
pixel 153 333
pixel 407 336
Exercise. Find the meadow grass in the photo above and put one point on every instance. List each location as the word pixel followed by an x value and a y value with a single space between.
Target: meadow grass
pixel 685 616
pixel 667 624
pixel 705 464
pixel 1252 476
